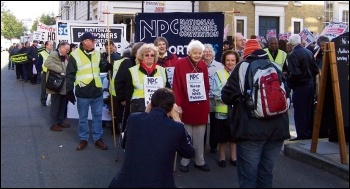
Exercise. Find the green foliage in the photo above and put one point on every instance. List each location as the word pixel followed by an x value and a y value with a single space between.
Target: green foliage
pixel 10 26
pixel 48 19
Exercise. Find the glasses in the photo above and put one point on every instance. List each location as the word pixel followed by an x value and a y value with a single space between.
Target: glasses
pixel 149 55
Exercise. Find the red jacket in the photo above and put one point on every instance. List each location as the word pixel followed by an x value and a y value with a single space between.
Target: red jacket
pixel 168 61
pixel 194 113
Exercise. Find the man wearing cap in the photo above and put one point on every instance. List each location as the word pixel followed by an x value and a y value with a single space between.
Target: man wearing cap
pixel 83 74
pixel 32 55
pixel 259 142
pixel 302 71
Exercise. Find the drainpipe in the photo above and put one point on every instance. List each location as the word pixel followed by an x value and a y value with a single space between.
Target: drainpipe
pixel 193 5
pixel 88 10
pixel 75 10
pixel 142 6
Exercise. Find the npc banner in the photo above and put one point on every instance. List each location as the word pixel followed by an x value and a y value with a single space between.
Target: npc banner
pixel 116 34
pixel 180 28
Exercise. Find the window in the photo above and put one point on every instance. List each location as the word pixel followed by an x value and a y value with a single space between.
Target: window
pixel 345 17
pixel 296 27
pixel 241 24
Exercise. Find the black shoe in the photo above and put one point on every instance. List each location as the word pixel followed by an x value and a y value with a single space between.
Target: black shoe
pixel 204 167
pixel 233 162
pixel 184 168
pixel 213 150
pixel 222 163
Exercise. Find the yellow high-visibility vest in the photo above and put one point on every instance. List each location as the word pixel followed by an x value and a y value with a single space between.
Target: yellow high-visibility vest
pixel 45 55
pixel 220 107
pixel 280 58
pixel 87 70
pixel 137 79
pixel 116 66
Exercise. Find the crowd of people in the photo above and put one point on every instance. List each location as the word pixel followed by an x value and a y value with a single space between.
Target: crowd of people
pixel 210 107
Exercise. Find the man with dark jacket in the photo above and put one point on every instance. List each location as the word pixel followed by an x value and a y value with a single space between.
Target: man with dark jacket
pixel 151 141
pixel 32 55
pixel 259 141
pixel 303 69
pixel 83 74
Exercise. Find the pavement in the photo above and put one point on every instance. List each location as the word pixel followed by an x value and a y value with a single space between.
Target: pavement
pixel 327 156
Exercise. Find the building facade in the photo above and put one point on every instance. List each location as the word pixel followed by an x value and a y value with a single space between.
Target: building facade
pixel 251 17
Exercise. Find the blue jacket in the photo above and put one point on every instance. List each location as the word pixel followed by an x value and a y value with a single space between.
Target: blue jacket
pixel 151 142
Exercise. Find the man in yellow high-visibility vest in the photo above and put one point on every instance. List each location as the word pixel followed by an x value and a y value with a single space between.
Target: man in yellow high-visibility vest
pixel 83 74
pixel 43 55
pixel 276 55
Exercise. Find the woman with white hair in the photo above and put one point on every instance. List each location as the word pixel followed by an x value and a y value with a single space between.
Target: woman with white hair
pixel 145 70
pixel 191 88
pixel 213 66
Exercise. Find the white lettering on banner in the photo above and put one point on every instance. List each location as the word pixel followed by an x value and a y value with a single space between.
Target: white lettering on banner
pixel 170 74
pixel 179 50
pixel 150 85
pixel 195 87
pixel 187 28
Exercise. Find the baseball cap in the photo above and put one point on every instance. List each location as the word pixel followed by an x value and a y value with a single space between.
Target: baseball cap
pixel 87 35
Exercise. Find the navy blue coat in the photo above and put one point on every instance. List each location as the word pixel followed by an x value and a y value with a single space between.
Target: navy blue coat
pixel 151 142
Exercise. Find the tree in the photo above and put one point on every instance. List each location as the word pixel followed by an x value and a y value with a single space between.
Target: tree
pixel 48 19
pixel 10 26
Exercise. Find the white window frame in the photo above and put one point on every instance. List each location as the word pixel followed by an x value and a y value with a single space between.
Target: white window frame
pixel 277 11
pixel 245 26
pixel 297 20
pixel 240 2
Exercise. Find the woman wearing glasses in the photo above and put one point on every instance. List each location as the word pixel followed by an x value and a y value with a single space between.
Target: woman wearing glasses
pixel 145 78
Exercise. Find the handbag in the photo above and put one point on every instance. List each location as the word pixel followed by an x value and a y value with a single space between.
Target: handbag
pixel 55 81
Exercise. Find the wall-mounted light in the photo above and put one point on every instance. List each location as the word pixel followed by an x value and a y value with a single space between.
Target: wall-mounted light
pixel 320 17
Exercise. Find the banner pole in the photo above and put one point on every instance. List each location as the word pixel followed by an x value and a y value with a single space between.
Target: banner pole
pixel 110 76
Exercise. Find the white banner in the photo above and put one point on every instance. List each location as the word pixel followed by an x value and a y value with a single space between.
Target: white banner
pixel 116 34
pixel 48 32
pixel 307 36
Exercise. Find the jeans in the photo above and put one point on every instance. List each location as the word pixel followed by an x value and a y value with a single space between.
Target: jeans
pixel 255 162
pixel 83 105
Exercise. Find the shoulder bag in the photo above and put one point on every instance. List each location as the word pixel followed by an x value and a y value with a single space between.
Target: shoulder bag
pixel 54 81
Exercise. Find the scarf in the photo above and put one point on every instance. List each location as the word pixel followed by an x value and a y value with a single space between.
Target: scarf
pixel 149 70
pixel 228 69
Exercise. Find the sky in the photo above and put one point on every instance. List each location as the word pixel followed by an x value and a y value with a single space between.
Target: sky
pixel 31 9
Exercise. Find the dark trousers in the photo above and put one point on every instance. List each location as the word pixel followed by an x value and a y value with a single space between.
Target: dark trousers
pixel 43 94
pixel 303 103
pixel 39 69
pixel 19 71
pixel 30 71
pixel 25 71
pixel 11 65
pixel 213 137
pixel 58 108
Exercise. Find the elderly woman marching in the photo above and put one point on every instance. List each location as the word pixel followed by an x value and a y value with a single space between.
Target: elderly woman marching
pixel 144 78
pixel 191 87
pixel 213 66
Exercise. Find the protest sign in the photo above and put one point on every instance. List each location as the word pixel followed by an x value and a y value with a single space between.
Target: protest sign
pixel 63 31
pixel 333 30
pixel 100 31
pixel 180 29
pixel 48 32
pixel 307 36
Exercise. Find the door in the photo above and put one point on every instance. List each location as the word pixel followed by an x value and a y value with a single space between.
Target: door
pixel 267 23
